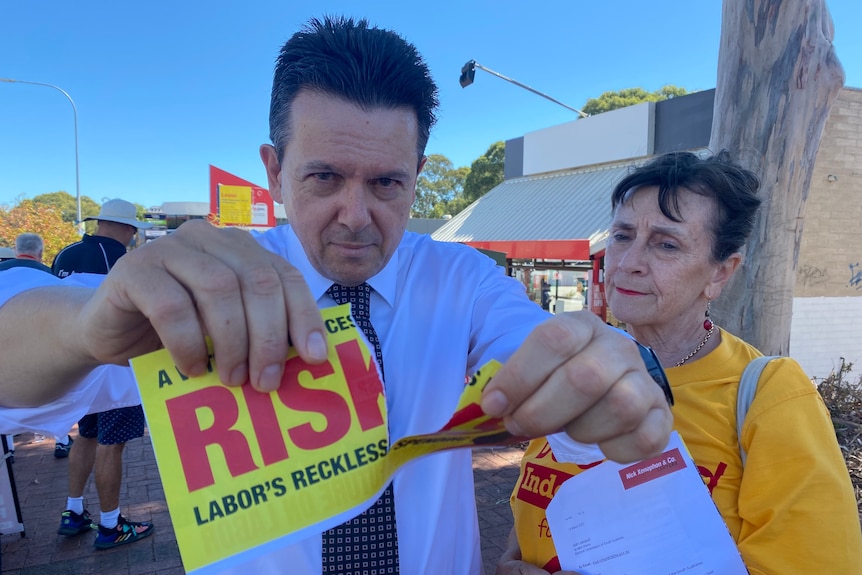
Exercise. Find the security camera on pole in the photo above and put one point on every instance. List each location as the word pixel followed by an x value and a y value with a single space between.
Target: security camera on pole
pixel 468 73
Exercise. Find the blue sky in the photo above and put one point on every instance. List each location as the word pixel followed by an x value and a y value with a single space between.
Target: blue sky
pixel 163 89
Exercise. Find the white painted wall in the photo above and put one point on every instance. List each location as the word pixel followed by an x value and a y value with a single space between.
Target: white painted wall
pixel 185 208
pixel 616 135
pixel 825 329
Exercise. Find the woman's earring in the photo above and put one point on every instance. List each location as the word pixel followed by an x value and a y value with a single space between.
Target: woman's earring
pixel 707 323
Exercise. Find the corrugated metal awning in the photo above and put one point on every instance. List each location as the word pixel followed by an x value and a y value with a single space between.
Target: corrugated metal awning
pixel 551 216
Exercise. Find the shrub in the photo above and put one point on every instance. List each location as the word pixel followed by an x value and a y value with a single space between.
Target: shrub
pixel 843 397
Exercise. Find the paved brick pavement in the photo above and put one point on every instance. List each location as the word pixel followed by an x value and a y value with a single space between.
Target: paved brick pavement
pixel 42 484
pixel 495 472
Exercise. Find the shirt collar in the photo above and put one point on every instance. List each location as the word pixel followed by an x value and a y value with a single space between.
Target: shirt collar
pixel 384 283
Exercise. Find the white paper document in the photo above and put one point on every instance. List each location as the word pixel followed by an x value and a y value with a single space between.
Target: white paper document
pixel 652 517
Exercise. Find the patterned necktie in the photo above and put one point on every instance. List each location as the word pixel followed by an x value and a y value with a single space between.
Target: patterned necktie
pixel 368 543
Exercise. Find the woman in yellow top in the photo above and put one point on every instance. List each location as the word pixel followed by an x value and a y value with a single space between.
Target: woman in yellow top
pixel 679 224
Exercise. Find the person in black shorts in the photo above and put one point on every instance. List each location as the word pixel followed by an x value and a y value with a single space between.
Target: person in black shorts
pixel 102 436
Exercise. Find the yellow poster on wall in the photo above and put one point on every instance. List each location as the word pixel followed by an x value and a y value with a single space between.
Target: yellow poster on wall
pixel 234 205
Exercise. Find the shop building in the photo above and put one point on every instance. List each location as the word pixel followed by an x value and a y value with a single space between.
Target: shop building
pixel 551 214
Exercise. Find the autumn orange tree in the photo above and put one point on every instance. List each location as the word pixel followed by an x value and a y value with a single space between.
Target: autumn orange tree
pixel 29 216
pixel 215 220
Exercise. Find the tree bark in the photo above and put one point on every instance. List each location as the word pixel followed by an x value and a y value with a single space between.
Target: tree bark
pixel 777 78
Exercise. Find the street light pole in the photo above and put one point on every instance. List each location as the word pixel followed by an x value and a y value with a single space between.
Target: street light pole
pixel 468 71
pixel 79 223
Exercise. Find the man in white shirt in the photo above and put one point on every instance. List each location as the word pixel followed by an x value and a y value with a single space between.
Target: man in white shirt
pixel 351 111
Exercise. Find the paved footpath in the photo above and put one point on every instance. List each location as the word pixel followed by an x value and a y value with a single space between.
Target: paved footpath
pixel 42 487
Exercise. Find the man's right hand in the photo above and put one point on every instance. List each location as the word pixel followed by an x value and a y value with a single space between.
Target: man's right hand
pixel 204 281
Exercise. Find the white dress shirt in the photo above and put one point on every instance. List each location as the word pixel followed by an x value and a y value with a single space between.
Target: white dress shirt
pixel 441 310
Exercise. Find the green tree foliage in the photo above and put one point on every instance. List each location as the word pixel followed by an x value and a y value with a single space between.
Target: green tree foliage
pixel 486 171
pixel 66 205
pixel 669 91
pixel 439 188
pixel 629 97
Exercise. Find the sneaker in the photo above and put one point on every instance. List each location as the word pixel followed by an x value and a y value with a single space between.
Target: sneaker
pixel 62 451
pixel 73 524
pixel 125 532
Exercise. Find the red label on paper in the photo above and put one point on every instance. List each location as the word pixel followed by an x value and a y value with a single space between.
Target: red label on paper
pixel 649 469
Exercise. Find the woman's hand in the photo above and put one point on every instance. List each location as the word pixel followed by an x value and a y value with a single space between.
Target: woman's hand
pixel 510 562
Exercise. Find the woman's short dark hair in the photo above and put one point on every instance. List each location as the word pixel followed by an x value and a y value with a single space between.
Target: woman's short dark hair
pixel 732 187
pixel 367 66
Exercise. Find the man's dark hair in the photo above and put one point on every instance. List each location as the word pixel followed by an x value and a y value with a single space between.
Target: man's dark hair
pixel 732 187
pixel 367 66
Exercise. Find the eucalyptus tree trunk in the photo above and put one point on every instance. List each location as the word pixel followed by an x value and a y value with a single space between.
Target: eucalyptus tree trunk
pixel 777 78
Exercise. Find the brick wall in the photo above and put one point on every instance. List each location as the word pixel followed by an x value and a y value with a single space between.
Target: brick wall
pixel 827 304
pixel 831 250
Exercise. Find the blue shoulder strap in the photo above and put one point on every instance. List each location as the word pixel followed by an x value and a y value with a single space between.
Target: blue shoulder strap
pixel 745 395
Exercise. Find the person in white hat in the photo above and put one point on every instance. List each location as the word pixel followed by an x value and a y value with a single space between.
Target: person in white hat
pixel 103 436
pixel 6 254
pixel 96 254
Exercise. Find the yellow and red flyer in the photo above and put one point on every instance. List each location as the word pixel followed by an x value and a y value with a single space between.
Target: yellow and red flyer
pixel 244 471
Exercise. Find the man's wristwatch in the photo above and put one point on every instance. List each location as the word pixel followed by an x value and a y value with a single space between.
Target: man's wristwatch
pixel 655 370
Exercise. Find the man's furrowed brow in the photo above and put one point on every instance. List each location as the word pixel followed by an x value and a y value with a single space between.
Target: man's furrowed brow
pixel 318 166
pixel 400 175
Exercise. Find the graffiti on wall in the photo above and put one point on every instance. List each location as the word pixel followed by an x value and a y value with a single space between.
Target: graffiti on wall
pixel 810 276
pixel 855 276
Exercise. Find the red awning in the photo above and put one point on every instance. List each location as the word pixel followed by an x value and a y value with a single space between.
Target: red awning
pixel 538 249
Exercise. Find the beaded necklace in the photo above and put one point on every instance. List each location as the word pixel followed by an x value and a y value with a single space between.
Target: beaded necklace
pixel 699 346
